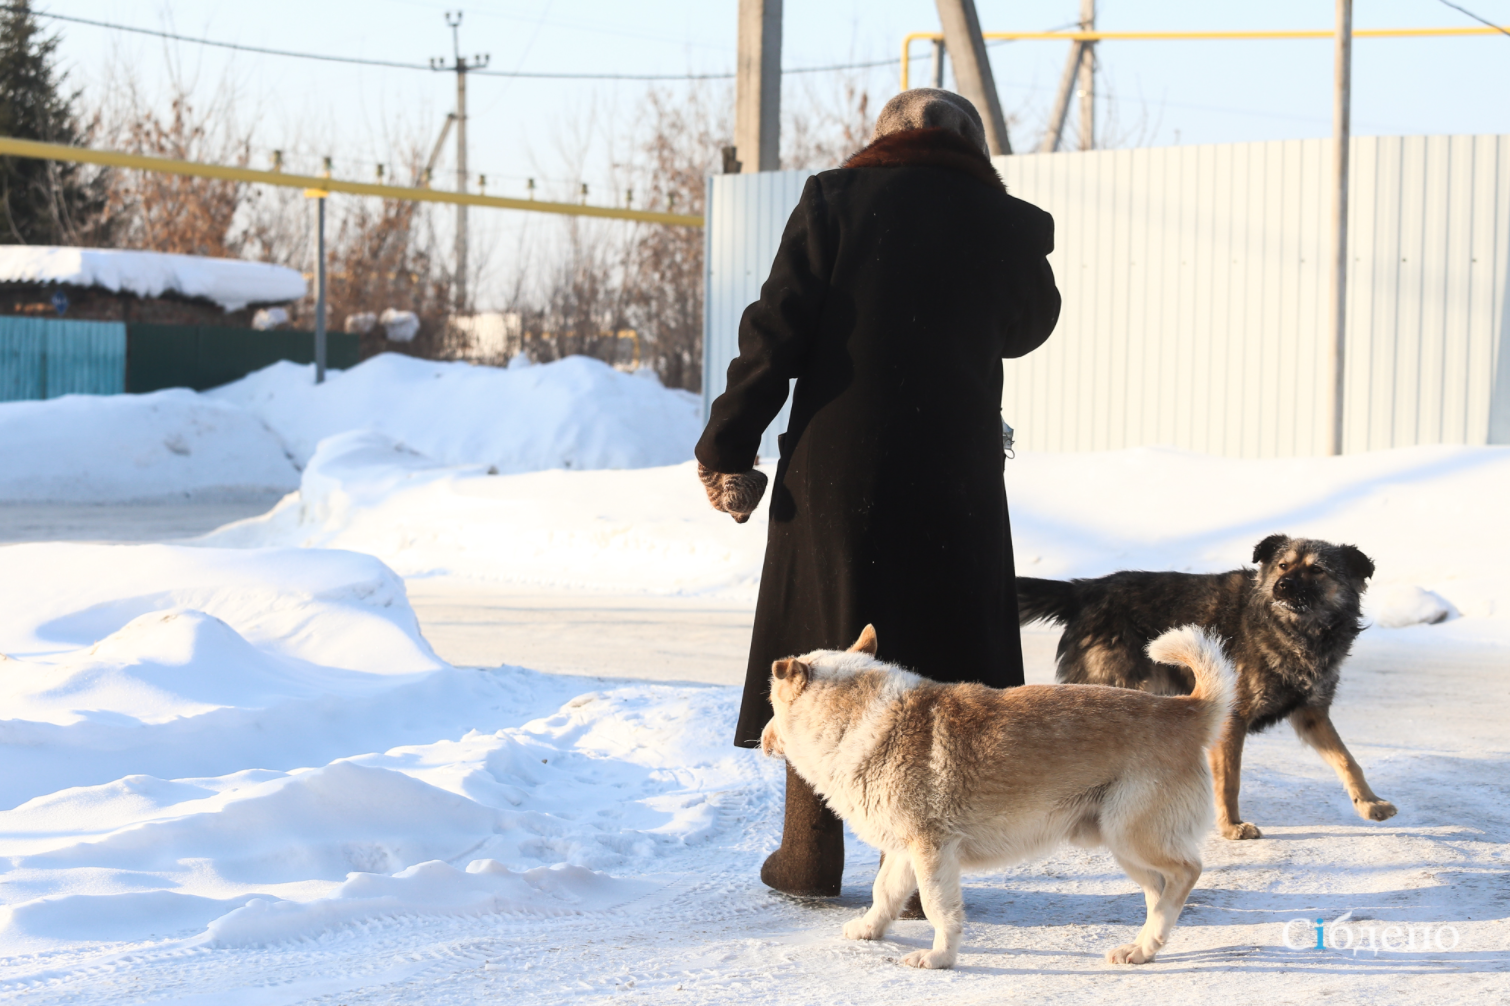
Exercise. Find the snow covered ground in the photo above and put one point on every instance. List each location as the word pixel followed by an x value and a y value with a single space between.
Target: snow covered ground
pixel 237 772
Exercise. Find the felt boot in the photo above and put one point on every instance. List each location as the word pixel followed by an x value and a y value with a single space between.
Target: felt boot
pixel 810 861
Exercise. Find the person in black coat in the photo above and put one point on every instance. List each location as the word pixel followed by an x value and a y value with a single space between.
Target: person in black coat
pixel 902 280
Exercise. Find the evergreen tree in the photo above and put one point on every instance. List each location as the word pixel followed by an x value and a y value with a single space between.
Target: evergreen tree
pixel 41 202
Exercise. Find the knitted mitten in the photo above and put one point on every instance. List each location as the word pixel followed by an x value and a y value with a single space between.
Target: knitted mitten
pixel 736 494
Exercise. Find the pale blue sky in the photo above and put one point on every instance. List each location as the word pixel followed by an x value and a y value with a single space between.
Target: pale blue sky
pixel 1166 92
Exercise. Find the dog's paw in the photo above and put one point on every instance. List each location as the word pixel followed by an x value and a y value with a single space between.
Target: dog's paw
pixel 1240 831
pixel 862 929
pixel 930 959
pixel 1375 810
pixel 1130 953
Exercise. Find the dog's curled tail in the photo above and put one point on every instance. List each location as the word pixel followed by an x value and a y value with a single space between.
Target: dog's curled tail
pixel 1049 600
pixel 1193 647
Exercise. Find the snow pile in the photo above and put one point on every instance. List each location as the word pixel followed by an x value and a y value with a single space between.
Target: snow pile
pixel 231 283
pixel 160 707
pixel 575 413
pixel 152 659
pixel 628 531
pixel 333 609
pixel 1397 606
pixel 253 435
pixel 87 448
pixel 1429 517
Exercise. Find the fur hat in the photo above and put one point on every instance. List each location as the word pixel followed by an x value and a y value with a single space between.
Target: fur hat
pixel 924 107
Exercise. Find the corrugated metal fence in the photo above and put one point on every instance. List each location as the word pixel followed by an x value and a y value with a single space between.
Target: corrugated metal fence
pixel 47 357
pixel 1195 294
pixel 744 220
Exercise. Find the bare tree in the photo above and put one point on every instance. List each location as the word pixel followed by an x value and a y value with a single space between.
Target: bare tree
pixel 174 213
pixel 664 279
pixel 827 126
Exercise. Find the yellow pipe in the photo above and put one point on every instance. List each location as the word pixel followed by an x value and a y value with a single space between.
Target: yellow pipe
pixel 9 146
pixel 1191 36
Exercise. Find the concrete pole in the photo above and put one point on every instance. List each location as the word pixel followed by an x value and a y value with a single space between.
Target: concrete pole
pixel 1055 133
pixel 757 86
pixel 938 64
pixel 972 69
pixel 1088 78
pixel 1341 141
pixel 461 183
pixel 320 291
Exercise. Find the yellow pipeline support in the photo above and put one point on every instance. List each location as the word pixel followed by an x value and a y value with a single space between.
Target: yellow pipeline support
pixel 12 147
pixel 1191 36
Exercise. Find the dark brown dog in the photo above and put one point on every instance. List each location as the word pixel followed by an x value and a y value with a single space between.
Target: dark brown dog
pixel 1287 627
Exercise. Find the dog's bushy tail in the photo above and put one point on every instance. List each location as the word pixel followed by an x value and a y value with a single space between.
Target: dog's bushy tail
pixel 1215 680
pixel 1049 600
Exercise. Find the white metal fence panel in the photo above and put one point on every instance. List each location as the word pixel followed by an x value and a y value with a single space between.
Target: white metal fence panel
pixel 1196 294
pixel 745 217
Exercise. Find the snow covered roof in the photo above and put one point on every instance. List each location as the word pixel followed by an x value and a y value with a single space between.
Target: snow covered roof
pixel 231 283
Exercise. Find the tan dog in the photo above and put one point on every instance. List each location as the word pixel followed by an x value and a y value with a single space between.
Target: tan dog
pixel 943 778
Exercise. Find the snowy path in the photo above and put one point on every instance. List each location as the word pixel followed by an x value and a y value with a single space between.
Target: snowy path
pixel 1425 722
pixel 474 624
pixel 126 522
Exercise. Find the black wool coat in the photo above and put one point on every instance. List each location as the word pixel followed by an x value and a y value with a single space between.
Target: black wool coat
pixel 901 282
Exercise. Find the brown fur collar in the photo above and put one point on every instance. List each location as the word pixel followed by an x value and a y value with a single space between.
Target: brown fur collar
pixel 934 148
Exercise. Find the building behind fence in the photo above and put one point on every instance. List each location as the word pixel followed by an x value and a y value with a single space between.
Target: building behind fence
pixel 1196 298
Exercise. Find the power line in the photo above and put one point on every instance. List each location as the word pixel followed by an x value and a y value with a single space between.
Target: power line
pixel 218 45
pixel 1465 10
pixel 395 65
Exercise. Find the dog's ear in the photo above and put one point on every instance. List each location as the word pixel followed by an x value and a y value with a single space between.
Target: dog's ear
pixel 1359 566
pixel 1267 549
pixel 790 678
pixel 867 641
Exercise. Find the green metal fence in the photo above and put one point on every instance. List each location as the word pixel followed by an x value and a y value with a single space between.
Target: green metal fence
pixel 47 357
pixel 207 356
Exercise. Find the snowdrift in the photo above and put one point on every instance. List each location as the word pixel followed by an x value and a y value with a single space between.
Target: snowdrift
pixel 157 659
pixel 110 448
pixel 574 413
pixel 1429 517
pixel 253 436
pixel 629 531
pixel 183 733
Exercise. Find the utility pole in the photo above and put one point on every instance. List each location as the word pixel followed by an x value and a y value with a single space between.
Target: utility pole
pixel 1088 78
pixel 319 196
pixel 972 70
pixel 1341 140
pixel 938 64
pixel 427 174
pixel 757 87
pixel 459 66
pixel 1055 133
